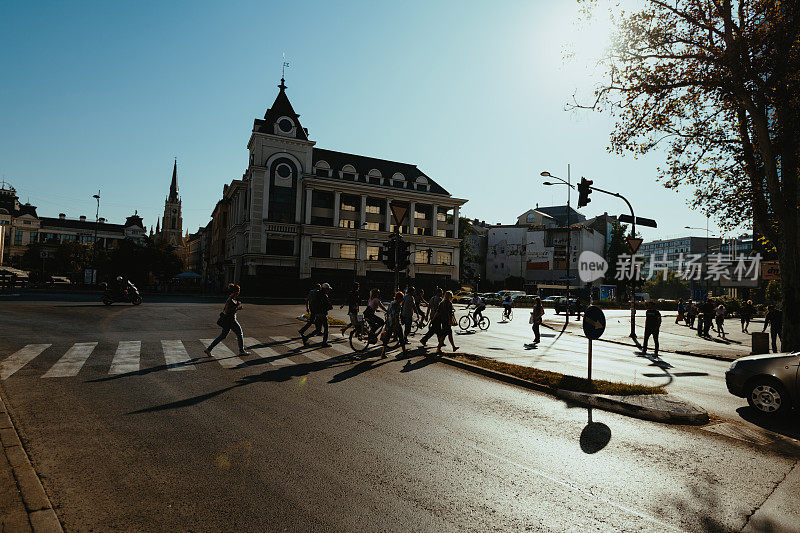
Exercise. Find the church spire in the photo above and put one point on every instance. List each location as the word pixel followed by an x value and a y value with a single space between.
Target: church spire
pixel 173 188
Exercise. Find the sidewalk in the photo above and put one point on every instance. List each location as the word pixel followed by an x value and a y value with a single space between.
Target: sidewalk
pixel 676 338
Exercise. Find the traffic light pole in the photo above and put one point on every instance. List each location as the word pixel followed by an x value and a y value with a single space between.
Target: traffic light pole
pixel 396 269
pixel 633 280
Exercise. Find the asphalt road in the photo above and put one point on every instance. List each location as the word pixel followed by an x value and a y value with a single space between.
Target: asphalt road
pixel 316 439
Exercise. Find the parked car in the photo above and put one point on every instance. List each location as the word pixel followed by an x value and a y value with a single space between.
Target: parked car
pixel 770 382
pixel 514 294
pixel 551 299
pixel 462 297
pixel 575 305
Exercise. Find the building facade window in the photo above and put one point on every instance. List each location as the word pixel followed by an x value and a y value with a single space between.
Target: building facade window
pixel 350 224
pixel 17 238
pixel 347 251
pixel 321 249
pixel 441 217
pixel 280 247
pixel 445 258
pixel 421 257
pixel 373 253
pixel 373 226
pixel 441 233
pixel 321 221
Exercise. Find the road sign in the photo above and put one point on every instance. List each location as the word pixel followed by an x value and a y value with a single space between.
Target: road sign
pixel 649 222
pixel 770 270
pixel 634 243
pixel 594 322
pixel 399 212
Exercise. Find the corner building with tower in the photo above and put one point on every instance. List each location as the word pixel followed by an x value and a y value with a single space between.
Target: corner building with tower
pixel 303 213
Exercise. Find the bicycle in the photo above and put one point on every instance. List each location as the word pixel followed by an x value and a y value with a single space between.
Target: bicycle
pixel 362 336
pixel 466 321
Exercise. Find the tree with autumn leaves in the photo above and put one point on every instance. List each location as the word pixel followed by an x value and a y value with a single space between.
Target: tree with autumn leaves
pixel 716 85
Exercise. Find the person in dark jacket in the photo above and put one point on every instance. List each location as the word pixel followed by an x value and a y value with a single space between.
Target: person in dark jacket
pixel 433 325
pixel 708 316
pixel 536 319
pixel 320 307
pixel 352 307
pixel 774 320
pixel 312 295
pixel 748 311
pixel 652 327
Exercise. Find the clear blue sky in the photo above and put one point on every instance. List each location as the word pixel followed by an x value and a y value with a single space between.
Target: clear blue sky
pixel 104 94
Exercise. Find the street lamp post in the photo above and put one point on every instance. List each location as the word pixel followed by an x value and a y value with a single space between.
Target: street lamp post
pixel 569 229
pixel 94 243
pixel 355 253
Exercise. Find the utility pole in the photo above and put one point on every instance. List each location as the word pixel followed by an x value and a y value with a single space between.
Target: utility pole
pixel 396 269
pixel 94 244
pixel 569 239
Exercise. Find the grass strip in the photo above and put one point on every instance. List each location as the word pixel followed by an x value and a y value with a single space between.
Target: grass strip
pixel 331 321
pixel 554 380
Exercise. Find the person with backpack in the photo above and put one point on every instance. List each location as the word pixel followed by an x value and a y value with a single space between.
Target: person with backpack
pixel 536 319
pixel 652 327
pixel 433 325
pixel 227 321
pixel 394 325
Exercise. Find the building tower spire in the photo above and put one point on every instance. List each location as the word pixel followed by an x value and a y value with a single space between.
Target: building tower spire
pixel 173 188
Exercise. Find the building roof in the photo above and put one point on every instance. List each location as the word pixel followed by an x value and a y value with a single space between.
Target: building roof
pixel 173 188
pixel 363 164
pixel 281 107
pixel 90 225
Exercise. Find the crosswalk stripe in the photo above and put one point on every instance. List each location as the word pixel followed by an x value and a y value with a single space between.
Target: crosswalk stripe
pixel 72 361
pixel 291 345
pixel 341 347
pixel 127 357
pixel 223 355
pixel 261 351
pixel 20 358
pixel 176 356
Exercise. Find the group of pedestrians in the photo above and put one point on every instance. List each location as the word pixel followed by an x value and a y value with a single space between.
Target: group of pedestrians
pixel 706 314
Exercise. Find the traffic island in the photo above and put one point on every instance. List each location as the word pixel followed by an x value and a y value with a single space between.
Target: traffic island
pixel 632 399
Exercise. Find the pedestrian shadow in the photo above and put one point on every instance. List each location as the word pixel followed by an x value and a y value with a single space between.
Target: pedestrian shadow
pixel 358 369
pixel 422 363
pixel 158 368
pixel 468 332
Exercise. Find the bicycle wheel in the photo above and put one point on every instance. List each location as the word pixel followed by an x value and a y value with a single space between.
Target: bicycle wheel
pixel 484 323
pixel 465 322
pixel 359 339
pixel 414 328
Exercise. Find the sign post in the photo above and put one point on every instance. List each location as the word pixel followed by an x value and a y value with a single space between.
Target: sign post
pixel 399 212
pixel 594 324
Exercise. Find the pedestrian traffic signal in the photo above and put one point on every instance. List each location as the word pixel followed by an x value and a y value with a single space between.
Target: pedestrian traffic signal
pixel 403 255
pixel 386 254
pixel 584 190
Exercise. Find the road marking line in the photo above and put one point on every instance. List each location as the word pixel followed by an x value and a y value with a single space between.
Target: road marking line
pixel 224 356
pixel 262 351
pixel 176 356
pixel 20 358
pixel 127 357
pixel 341 347
pixel 291 345
pixel 72 361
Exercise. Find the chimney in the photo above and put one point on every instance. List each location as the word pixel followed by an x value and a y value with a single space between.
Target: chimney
pixel 62 216
pixel 101 220
pixel 83 218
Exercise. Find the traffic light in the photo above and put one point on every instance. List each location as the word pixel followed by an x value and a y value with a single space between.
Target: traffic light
pixel 403 255
pixel 386 254
pixel 584 190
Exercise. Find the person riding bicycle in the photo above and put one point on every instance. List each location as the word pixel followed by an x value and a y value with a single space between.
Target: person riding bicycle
pixel 477 301
pixel 507 303
pixel 370 312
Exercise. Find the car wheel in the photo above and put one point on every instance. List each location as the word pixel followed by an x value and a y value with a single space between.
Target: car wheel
pixel 768 397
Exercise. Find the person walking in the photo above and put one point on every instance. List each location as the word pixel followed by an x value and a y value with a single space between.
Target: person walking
pixel 419 300
pixel 433 325
pixel 720 317
pixel 652 326
pixel 311 320
pixel 352 307
pixel 691 314
pixel 536 319
pixel 320 307
pixel 445 316
pixel 507 303
pixel 708 316
pixel 407 311
pixel 747 315
pixel 228 322
pixel 681 311
pixel 394 324
pixel 774 319
pixel 371 312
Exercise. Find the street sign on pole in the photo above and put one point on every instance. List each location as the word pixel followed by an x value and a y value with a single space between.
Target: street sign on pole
pixel 634 243
pixel 399 212
pixel 642 221
pixel 594 324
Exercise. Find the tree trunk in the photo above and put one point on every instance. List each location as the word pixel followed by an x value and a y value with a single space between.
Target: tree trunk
pixel 790 277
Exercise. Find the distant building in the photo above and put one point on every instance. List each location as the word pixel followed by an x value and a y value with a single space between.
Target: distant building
pixel 300 212
pixel 169 229
pixel 670 250
pixel 476 266
pixel 19 224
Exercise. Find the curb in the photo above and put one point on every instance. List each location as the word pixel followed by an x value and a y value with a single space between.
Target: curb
pixel 40 511
pixel 688 413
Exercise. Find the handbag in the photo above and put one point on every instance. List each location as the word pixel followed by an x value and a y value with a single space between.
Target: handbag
pixel 532 320
pixel 453 321
pixel 224 320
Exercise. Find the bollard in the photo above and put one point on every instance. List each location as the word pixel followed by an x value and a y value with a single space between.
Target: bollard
pixel 760 342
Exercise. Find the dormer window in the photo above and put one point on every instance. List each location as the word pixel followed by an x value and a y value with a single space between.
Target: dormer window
pixel 398 180
pixel 421 184
pixel 349 173
pixel 374 177
pixel 322 169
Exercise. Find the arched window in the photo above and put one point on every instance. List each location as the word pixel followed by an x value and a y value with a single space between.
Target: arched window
pixel 374 177
pixel 422 183
pixel 322 169
pixel 349 173
pixel 398 180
